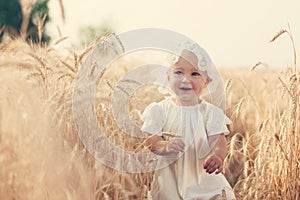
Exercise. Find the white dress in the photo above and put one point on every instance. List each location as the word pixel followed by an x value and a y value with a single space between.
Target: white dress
pixel 186 178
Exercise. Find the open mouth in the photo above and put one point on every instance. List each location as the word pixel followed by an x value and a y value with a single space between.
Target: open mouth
pixel 186 88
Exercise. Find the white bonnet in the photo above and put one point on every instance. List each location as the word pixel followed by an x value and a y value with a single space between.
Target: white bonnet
pixel 204 62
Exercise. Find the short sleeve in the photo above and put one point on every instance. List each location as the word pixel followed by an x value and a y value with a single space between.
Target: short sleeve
pixel 216 121
pixel 154 119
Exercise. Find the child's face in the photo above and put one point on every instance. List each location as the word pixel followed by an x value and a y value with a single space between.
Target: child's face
pixel 186 80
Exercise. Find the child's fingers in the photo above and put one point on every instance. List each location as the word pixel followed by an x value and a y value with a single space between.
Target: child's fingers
pixel 173 150
pixel 178 144
pixel 215 159
pixel 207 163
pixel 219 170
pixel 175 146
pixel 213 165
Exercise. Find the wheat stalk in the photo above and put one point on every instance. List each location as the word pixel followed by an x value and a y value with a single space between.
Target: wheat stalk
pixel 62 10
pixel 289 32
pixel 278 34
pixel 26 7
pixel 255 66
pixel 60 40
pixel 227 84
pixel 286 87
pixel 68 66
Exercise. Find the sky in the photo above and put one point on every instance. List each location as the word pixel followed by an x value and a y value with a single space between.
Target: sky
pixel 235 33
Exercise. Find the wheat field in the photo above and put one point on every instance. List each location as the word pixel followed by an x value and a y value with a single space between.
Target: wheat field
pixel 42 157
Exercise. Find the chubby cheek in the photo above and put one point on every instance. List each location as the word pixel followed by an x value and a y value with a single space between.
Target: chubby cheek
pixel 173 84
pixel 199 86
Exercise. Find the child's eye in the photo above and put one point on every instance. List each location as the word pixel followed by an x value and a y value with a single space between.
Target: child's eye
pixel 196 74
pixel 178 72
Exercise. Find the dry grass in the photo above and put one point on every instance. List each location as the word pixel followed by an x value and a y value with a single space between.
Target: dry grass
pixel 264 157
pixel 263 162
pixel 41 156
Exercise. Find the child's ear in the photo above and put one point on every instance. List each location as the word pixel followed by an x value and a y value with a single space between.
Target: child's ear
pixel 208 80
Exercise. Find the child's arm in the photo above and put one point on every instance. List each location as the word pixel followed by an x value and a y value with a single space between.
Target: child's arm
pixel 214 162
pixel 162 147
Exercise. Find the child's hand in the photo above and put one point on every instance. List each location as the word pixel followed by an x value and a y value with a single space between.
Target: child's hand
pixel 213 163
pixel 174 146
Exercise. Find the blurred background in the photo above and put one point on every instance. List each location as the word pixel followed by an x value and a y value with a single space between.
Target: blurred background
pixel 235 33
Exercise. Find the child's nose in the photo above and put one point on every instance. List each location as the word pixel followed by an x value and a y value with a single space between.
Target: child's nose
pixel 185 79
